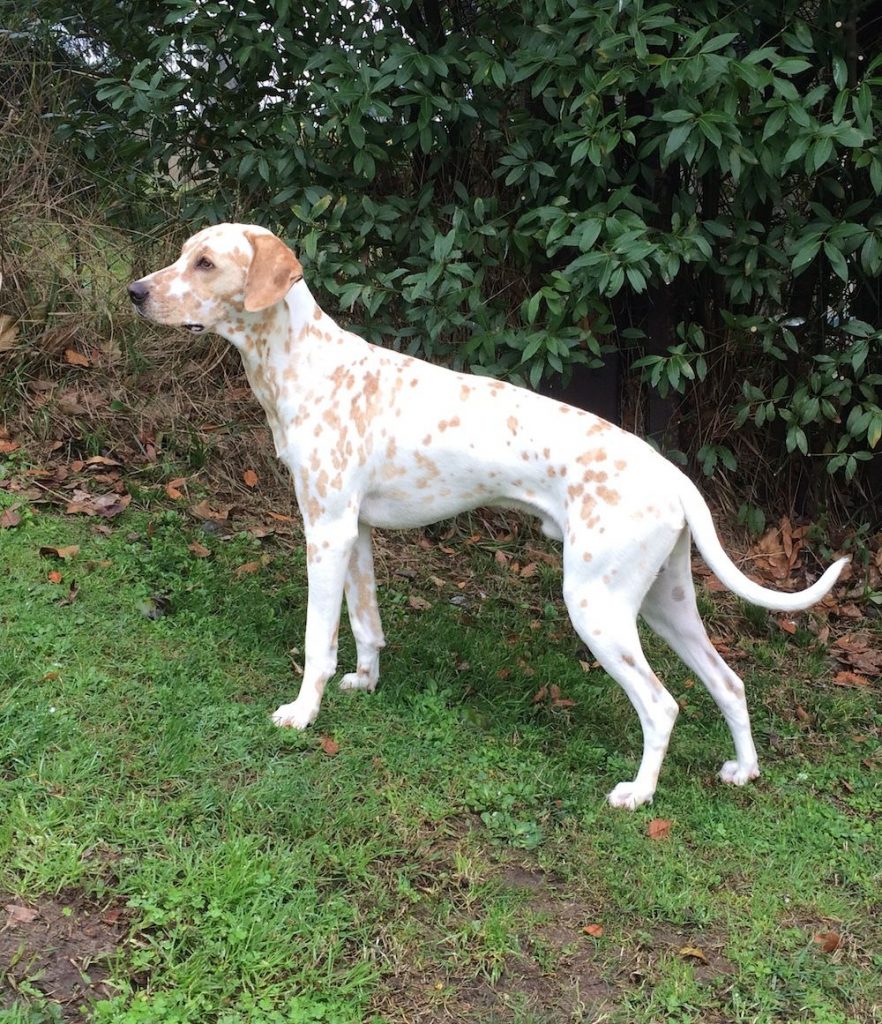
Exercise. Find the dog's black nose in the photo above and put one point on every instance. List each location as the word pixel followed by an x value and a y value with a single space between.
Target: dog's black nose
pixel 138 292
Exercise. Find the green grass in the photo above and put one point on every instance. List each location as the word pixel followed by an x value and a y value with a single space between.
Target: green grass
pixel 443 864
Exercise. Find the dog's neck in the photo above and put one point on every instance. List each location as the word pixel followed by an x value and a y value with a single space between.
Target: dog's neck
pixel 274 344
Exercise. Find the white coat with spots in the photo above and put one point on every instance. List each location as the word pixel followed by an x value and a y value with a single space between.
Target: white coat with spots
pixel 375 438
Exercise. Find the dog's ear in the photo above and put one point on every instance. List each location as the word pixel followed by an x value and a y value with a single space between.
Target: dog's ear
pixel 274 268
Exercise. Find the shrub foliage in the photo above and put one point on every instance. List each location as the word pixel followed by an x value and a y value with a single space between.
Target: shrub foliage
pixel 523 187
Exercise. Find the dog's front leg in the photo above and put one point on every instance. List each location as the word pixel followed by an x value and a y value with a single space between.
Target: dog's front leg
pixel 364 615
pixel 329 548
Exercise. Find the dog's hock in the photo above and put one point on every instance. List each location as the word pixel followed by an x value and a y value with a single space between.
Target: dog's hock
pixel 273 269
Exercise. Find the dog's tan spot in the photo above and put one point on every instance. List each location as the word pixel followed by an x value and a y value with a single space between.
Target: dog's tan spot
pixel 608 495
pixel 592 455
pixel 414 382
pixel 512 424
pixel 427 439
pixel 563 408
pixel 586 557
pixel 628 660
pixel 391 448
pixel 574 490
pixel 317 313
pixel 594 476
pixel 389 471
pixel 551 471
pixel 620 464
pixel 678 594
pixel 464 391
pixel 583 603
pixel 445 424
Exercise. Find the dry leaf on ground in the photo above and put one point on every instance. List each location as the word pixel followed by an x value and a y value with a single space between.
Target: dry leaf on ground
pixel 693 953
pixel 850 679
pixel 330 746
pixel 20 915
pixel 828 941
pixel 659 828
pixel 64 553
pixel 9 518
pixel 74 358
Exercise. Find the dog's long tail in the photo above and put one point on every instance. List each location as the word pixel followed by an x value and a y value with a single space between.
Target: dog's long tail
pixel 705 536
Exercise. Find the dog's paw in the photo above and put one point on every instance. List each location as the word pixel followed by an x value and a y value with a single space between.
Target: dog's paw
pixel 294 716
pixel 359 681
pixel 629 796
pixel 735 775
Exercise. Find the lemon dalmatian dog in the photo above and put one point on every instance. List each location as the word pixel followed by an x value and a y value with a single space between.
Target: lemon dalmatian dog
pixel 374 438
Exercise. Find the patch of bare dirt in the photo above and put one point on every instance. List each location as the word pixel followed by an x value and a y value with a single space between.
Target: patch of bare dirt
pixel 57 949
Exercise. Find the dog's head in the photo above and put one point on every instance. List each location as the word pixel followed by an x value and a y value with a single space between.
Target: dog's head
pixel 223 272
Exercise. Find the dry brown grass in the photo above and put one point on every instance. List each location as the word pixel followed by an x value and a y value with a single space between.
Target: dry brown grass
pixel 78 374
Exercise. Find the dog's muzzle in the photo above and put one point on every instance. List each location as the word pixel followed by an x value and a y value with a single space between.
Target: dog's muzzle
pixel 139 293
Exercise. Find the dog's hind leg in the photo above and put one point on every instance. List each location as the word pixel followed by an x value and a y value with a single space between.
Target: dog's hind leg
pixel 670 610
pixel 605 619
pixel 364 615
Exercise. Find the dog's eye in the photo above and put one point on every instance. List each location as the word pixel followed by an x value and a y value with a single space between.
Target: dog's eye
pixel 204 263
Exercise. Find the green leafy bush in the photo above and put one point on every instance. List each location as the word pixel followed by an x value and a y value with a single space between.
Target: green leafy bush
pixel 523 187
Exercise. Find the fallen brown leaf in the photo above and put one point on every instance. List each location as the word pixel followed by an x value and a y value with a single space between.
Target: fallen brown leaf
pixel 419 604
pixel 171 489
pixel 850 679
pixel 74 358
pixel 828 941
pixel 659 828
pixel 7 447
pixel 199 550
pixel 101 460
pixel 247 568
pixel 204 511
pixel 558 701
pixel 64 553
pixel 693 953
pixel 787 625
pixel 250 478
pixel 329 746
pixel 20 915
pixel 54 576
pixel 8 333
pixel 594 930
pixel 9 518
pixel 106 505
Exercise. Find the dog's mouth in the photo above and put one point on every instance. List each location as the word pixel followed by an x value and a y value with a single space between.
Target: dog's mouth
pixel 194 328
